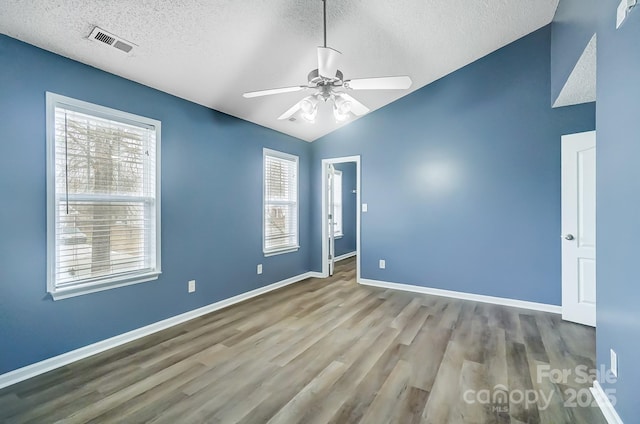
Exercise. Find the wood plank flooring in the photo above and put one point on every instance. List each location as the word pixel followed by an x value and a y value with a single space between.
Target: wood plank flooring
pixel 326 351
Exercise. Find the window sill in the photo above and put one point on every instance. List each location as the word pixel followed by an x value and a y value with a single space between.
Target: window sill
pixel 337 237
pixel 281 251
pixel 60 293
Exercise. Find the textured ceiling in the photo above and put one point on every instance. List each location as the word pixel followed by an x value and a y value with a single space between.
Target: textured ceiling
pixel 581 84
pixel 210 52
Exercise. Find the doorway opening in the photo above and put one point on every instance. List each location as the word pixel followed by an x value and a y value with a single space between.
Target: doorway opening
pixel 340 201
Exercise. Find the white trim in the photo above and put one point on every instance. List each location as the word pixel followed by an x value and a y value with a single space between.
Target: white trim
pixel 345 256
pixel 325 241
pixel 98 285
pixel 281 251
pixel 49 364
pixel 605 404
pixel 523 304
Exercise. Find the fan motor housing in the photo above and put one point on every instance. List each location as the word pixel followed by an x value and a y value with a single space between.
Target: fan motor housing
pixel 315 78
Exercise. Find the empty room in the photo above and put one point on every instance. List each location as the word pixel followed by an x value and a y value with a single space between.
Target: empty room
pixel 319 211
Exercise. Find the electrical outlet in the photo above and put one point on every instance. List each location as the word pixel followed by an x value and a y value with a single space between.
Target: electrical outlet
pixel 192 286
pixel 614 363
pixel 365 207
pixel 382 264
pixel 259 268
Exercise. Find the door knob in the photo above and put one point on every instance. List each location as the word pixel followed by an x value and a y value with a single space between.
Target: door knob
pixel 569 237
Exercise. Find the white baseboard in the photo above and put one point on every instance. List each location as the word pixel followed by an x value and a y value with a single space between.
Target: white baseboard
pixel 605 404
pixel 465 296
pixel 345 256
pixel 49 364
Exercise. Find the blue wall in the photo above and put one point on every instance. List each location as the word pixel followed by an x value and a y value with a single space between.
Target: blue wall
pixel 572 27
pixel 347 243
pixel 618 194
pixel 462 179
pixel 211 209
pixel 618 203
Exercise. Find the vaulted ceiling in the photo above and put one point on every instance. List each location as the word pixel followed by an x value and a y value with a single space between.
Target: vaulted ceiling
pixel 210 52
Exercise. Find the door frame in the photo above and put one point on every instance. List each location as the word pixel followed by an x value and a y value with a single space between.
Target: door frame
pixel 323 211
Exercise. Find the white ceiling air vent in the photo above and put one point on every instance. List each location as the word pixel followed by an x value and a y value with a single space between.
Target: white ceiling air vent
pixel 102 36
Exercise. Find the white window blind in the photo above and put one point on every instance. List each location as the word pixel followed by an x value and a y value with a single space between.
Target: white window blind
pixel 103 197
pixel 337 203
pixel 280 202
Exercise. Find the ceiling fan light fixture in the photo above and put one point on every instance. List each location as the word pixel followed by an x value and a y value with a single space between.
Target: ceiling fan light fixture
pixel 340 117
pixel 341 108
pixel 309 108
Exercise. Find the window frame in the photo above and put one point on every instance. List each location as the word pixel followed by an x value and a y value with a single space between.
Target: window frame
pixel 91 285
pixel 285 156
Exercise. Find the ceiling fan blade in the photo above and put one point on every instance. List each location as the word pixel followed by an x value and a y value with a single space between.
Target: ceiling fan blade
pixel 293 109
pixel 381 83
pixel 356 107
pixel 271 91
pixel 328 61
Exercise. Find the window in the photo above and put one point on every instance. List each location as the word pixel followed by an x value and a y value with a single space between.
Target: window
pixel 103 198
pixel 337 203
pixel 280 227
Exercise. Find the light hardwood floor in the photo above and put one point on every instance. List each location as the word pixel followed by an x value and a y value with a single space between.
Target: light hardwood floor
pixel 325 351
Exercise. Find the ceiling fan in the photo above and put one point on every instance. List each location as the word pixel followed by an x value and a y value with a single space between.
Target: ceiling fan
pixel 329 85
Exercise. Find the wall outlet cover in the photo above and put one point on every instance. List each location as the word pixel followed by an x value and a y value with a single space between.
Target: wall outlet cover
pixel 382 264
pixel 192 286
pixel 259 269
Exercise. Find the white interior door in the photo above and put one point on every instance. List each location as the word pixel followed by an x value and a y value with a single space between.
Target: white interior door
pixel 579 228
pixel 330 216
